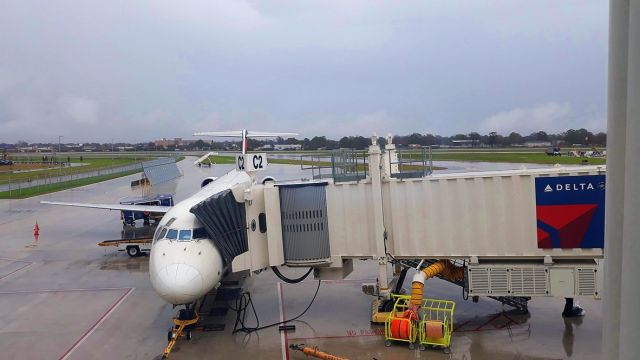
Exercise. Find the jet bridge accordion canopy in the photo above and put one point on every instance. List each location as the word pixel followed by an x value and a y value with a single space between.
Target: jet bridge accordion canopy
pixel 224 220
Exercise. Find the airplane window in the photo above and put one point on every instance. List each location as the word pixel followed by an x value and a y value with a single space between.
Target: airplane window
pixel 170 222
pixel 199 233
pixel 172 234
pixel 185 235
pixel 162 231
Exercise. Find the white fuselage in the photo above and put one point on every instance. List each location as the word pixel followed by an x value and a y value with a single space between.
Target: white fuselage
pixel 184 263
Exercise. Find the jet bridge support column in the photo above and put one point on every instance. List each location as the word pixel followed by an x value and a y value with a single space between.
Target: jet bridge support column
pixel 622 249
pixel 375 168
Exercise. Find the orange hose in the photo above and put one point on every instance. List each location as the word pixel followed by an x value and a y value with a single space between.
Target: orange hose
pixel 442 267
pixel 310 351
pixel 452 272
pixel 435 268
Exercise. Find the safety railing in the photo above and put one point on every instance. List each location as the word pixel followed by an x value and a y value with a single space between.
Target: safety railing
pixel 411 163
pixel 340 165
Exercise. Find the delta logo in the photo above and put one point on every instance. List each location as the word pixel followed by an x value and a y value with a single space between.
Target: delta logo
pixel 570 212
pixel 575 187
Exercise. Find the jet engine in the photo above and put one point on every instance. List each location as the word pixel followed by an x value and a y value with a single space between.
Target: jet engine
pixel 207 181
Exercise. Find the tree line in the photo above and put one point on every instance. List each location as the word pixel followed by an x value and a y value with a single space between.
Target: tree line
pixel 581 137
pixel 570 137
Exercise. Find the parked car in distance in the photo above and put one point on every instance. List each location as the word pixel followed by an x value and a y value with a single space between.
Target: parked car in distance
pixel 554 151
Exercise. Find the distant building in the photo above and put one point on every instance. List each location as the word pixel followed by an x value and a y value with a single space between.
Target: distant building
pixel 287 147
pixel 165 143
pixel 31 148
pixel 537 143
pixel 465 143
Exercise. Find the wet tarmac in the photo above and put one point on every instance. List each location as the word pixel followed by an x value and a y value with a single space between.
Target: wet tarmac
pixel 63 297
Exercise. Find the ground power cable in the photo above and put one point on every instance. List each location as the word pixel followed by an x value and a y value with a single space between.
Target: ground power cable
pixel 244 302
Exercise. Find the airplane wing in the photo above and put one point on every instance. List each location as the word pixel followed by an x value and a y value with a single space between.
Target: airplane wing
pixel 141 208
pixel 253 134
pixel 236 133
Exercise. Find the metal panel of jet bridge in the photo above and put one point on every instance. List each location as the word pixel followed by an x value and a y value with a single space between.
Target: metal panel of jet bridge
pixel 160 170
pixel 305 232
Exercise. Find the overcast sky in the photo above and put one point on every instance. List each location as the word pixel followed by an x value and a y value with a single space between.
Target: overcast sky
pixel 139 70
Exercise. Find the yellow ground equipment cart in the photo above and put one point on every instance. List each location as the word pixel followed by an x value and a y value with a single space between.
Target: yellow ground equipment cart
pixel 436 325
pixel 401 325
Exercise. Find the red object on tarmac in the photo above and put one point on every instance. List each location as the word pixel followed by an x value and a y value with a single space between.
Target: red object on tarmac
pixel 36 230
pixel 400 328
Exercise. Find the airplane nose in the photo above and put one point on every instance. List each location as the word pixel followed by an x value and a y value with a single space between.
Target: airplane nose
pixel 179 283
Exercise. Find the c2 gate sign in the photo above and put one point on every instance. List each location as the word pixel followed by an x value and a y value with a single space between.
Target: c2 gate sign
pixel 251 162
pixel 570 211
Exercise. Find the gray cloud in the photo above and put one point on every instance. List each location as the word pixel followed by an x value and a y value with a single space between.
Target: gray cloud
pixel 140 70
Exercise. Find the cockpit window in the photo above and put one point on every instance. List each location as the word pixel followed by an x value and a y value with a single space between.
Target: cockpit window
pixel 199 233
pixel 162 231
pixel 185 235
pixel 172 234
pixel 170 222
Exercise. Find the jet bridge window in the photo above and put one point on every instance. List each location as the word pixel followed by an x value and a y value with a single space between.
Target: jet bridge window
pixel 185 235
pixel 172 234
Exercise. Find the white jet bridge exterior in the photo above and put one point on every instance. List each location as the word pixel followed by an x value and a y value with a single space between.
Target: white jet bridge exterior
pixel 483 220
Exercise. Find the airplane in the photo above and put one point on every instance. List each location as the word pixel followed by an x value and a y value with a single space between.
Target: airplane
pixel 184 263
pixel 244 134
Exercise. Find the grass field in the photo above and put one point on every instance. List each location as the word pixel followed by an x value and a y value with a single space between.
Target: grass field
pixel 93 163
pixel 49 188
pixel 516 157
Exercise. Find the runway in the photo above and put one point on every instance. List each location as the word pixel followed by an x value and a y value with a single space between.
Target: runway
pixel 63 297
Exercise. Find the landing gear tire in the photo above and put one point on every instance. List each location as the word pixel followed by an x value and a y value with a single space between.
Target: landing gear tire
pixel 133 251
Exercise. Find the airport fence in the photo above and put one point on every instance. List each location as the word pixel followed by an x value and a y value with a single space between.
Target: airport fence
pixel 64 178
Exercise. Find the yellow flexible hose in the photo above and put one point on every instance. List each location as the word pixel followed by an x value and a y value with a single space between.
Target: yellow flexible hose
pixel 442 267
pixel 416 292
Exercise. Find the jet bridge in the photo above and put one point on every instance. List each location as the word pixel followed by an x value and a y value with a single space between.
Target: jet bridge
pixel 528 232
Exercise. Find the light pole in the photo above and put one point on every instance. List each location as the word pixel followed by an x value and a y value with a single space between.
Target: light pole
pixel 112 156
pixel 60 163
